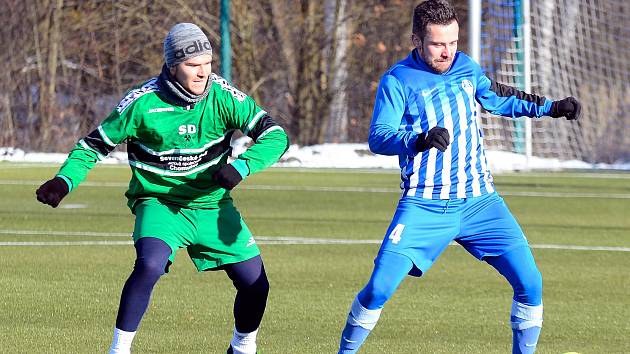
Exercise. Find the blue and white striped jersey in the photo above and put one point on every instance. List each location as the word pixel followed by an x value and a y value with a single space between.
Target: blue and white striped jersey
pixel 412 98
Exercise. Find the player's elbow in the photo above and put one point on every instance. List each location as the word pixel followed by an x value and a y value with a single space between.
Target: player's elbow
pixel 375 142
pixel 381 140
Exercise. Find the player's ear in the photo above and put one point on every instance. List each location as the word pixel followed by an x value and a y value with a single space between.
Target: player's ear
pixel 417 42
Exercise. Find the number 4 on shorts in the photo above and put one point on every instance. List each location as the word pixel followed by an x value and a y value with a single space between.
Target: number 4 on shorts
pixel 396 233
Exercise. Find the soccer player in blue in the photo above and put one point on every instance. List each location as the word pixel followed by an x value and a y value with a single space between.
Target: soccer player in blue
pixel 425 112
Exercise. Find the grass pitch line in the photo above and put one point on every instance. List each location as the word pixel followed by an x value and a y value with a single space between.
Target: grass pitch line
pixel 595 175
pixel 320 189
pixel 287 240
pixel 12 182
pixel 351 190
pixel 565 195
pixel 64 233
pixel 251 186
pixel 67 243
pixel 398 191
pixel 263 240
pixel 581 248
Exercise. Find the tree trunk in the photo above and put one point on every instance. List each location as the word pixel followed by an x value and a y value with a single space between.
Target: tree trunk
pixel 337 30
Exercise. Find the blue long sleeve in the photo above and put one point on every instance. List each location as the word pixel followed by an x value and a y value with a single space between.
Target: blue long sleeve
pixel 507 101
pixel 386 136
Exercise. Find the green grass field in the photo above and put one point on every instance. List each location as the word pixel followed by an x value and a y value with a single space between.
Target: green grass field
pixel 62 270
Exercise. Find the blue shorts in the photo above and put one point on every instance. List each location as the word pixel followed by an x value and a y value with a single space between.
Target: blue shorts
pixel 422 229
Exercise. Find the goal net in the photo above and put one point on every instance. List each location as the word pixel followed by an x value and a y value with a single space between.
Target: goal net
pixel 570 47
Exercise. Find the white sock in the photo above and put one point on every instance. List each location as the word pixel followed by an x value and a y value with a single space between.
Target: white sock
pixel 244 343
pixel 363 317
pixel 121 344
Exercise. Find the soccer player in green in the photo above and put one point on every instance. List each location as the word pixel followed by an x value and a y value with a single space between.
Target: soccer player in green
pixel 178 128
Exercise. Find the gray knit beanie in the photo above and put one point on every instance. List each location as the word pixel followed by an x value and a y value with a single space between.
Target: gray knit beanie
pixel 185 41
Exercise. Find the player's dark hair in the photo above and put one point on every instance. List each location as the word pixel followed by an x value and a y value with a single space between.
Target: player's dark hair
pixel 434 12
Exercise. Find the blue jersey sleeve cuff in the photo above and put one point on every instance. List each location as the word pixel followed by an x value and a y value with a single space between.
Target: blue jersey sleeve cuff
pixel 412 143
pixel 547 106
pixel 241 167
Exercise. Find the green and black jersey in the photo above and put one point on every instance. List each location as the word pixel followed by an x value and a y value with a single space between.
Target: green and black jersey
pixel 173 150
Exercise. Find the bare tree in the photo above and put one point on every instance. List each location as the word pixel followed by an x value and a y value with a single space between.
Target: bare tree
pixel 314 65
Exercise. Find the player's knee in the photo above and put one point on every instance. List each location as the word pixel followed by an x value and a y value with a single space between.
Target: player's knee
pixel 257 287
pixel 152 258
pixel 529 290
pixel 374 295
pixel 150 269
pixel 261 285
pixel 382 294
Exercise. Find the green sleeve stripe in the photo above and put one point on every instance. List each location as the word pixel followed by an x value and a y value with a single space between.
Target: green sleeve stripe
pixel 104 136
pixel 272 128
pixel 254 121
pixel 67 180
pixel 87 147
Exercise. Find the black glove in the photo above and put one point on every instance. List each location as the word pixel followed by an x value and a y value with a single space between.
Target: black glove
pixel 52 192
pixel 437 137
pixel 227 177
pixel 568 107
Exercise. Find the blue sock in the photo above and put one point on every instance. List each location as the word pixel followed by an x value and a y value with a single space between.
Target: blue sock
pixel 525 340
pixel 352 338
pixel 526 325
pixel 360 323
